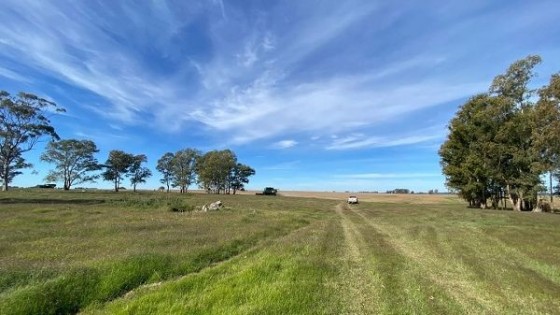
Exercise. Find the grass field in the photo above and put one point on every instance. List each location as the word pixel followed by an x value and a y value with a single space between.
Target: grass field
pixel 125 253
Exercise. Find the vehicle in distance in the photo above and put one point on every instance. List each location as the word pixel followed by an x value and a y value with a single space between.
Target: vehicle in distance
pixel 352 200
pixel 268 191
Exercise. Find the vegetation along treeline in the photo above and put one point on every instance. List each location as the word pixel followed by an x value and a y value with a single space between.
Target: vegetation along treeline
pixel 502 143
pixel 24 121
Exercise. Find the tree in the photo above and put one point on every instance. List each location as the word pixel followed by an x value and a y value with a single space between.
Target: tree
pixel 137 173
pixel 214 169
pixel 546 131
pixel 74 160
pixel 240 176
pixel 117 165
pixel 23 122
pixel 17 164
pixel 184 168
pixel 519 171
pixel 165 167
pixel 514 83
pixel 489 152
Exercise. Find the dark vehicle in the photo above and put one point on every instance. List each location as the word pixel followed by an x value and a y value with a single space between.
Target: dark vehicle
pixel 46 186
pixel 268 191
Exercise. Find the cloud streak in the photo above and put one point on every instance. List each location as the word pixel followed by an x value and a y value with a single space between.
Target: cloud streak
pixel 292 70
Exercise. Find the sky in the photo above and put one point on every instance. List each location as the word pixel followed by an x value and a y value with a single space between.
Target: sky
pixel 314 95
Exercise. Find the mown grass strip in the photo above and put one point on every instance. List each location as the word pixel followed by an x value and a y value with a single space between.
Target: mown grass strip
pixel 292 275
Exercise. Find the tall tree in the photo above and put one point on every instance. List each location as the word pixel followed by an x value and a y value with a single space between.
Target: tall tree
pixel 514 83
pixel 214 169
pixel 515 137
pixel 546 132
pixel 117 165
pixel 138 173
pixel 184 168
pixel 17 164
pixel 74 161
pixel 23 122
pixel 165 167
pixel 240 176
pixel 490 148
pixel 464 155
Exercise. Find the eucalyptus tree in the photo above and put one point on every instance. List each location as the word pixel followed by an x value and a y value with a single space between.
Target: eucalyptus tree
pixel 490 152
pixel 546 131
pixel 239 176
pixel 519 167
pixel 138 173
pixel 74 160
pixel 165 167
pixel 183 168
pixel 23 122
pixel 118 164
pixel 214 169
pixel 463 156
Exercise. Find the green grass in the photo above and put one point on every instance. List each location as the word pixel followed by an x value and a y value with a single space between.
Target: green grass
pixel 126 253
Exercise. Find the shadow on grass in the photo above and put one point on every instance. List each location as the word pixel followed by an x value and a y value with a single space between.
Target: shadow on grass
pixel 11 201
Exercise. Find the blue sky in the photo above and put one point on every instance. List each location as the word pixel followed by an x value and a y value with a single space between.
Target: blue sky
pixel 315 95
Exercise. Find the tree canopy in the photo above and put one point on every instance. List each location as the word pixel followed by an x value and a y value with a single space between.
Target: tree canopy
pixel 23 122
pixel 501 142
pixel 74 160
pixel 218 171
pixel 117 166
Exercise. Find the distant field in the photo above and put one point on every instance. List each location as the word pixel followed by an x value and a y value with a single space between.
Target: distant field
pixel 383 198
pixel 125 253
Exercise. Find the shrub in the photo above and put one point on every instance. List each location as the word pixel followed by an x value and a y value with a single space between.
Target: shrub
pixel 177 205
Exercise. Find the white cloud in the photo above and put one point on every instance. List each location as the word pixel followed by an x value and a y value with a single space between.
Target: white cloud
pixel 268 83
pixel 282 166
pixel 284 144
pixel 389 175
pixel 13 75
pixel 357 142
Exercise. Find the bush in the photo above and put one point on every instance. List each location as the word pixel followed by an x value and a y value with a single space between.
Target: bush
pixel 177 205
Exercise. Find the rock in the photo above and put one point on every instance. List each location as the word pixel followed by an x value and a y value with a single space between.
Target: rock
pixel 215 206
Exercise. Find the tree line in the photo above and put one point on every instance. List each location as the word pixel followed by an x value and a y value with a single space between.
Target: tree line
pixel 24 121
pixel 502 143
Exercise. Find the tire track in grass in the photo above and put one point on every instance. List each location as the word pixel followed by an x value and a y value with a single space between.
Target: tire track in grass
pixel 456 284
pixel 358 291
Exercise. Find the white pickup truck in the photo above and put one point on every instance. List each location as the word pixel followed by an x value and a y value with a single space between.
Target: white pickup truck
pixel 352 200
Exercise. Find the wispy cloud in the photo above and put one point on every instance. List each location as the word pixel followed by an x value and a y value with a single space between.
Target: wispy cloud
pixel 295 69
pixel 284 144
pixel 362 141
pixel 7 73
pixel 388 175
pixel 282 166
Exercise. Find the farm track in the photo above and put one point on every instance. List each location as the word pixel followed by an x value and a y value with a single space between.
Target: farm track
pixel 458 286
pixel 444 265
pixel 358 288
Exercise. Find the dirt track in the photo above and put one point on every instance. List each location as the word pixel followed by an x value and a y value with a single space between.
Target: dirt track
pixel 358 292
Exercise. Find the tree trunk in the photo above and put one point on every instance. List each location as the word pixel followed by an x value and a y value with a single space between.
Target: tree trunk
pixel 6 176
pixel 551 193
pixel 538 208
pixel 514 199
pixel 520 202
